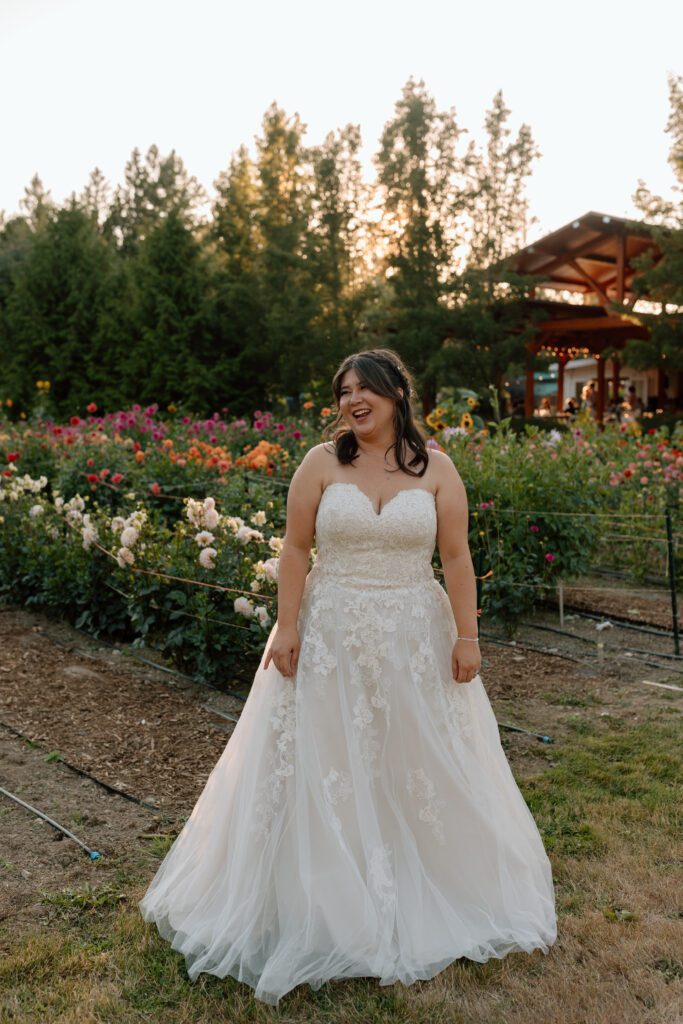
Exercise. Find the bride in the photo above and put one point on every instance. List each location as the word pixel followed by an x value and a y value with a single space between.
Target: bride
pixel 363 819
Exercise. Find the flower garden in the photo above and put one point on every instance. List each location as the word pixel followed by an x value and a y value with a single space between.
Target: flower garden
pixel 165 529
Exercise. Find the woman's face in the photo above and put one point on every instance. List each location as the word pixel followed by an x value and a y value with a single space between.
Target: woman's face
pixel 368 414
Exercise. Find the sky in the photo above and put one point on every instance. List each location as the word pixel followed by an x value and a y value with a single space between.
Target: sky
pixel 84 82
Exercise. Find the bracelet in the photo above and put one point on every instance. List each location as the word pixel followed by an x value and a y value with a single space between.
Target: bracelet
pixel 474 639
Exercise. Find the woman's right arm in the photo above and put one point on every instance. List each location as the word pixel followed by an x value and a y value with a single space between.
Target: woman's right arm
pixel 305 491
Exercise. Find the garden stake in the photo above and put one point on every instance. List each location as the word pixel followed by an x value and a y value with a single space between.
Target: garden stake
pixel 560 601
pixel 93 854
pixel 672 579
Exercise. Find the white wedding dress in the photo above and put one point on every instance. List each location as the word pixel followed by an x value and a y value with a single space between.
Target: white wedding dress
pixel 363 819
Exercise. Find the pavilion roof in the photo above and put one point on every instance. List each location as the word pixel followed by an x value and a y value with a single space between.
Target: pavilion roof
pixel 590 254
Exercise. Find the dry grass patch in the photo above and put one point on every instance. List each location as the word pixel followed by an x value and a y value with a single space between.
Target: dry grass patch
pixel 606 802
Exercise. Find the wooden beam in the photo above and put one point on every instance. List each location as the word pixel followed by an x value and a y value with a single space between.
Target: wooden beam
pixel 561 259
pixel 592 323
pixel 597 288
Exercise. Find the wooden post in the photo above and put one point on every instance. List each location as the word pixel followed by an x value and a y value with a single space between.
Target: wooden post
pixel 600 407
pixel 529 400
pixel 621 267
pixel 561 360
pixel 616 372
pixel 661 390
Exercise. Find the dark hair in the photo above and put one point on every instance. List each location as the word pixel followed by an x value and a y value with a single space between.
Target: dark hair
pixel 384 373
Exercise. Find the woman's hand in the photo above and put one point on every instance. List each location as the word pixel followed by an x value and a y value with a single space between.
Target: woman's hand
pixel 465 661
pixel 284 651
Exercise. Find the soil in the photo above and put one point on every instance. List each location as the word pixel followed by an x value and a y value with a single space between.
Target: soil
pixel 156 737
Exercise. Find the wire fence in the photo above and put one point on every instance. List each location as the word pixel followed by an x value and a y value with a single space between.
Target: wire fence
pixel 667 540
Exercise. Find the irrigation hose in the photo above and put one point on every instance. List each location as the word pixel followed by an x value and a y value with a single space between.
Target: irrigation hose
pixel 93 854
pixel 84 773
pixel 527 732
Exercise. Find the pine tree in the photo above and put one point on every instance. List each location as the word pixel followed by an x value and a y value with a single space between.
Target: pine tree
pixel 418 176
pixel 173 361
pixel 662 280
pixel 490 328
pixel 289 344
pixel 338 206
pixel 52 307
pixel 237 309
pixel 155 187
pixel 37 204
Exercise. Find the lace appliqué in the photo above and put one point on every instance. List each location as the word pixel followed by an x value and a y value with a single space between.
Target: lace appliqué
pixel 336 786
pixel 381 877
pixel 423 789
pixel 316 660
pixel 281 763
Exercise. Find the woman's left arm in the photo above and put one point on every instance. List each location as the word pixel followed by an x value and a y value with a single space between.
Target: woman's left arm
pixel 452 541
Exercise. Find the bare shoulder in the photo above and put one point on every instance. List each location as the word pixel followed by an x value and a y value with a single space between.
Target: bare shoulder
pixel 449 486
pixel 314 468
pixel 442 468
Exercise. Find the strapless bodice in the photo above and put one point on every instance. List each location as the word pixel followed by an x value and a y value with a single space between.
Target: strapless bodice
pixel 358 547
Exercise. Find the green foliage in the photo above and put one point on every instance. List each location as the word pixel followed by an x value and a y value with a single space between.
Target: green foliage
pixel 136 294
pixel 662 280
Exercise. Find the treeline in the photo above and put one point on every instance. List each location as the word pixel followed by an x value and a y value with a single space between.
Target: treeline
pixel 150 292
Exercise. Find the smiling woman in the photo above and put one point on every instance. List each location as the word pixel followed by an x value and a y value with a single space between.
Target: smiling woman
pixel 363 819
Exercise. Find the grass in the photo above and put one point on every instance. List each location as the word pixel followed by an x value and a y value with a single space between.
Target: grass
pixel 606 808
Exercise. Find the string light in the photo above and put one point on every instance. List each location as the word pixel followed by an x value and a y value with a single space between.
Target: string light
pixel 573 352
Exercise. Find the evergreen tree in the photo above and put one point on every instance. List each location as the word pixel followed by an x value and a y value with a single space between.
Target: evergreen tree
pixel 174 360
pixel 490 328
pixel 155 187
pixel 662 280
pixel 289 345
pixel 237 310
pixel 338 206
pixel 418 174
pixel 95 199
pixel 37 205
pixel 51 309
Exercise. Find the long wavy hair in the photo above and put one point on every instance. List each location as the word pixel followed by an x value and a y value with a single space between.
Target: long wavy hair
pixel 384 373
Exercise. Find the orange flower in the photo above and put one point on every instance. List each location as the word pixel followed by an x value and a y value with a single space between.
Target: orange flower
pixel 308 405
pixel 326 411
pixel 140 456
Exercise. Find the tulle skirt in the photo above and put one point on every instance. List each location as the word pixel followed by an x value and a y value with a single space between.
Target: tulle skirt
pixel 363 819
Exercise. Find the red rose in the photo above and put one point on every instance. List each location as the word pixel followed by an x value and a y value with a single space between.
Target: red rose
pixel 12 456
pixel 75 420
pixel 92 407
pixel 93 478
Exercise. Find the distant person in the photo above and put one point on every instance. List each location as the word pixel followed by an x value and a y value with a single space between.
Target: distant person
pixel 589 398
pixel 545 408
pixel 570 407
pixel 635 402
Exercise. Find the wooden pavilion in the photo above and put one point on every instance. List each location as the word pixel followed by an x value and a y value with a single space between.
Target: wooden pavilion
pixel 590 257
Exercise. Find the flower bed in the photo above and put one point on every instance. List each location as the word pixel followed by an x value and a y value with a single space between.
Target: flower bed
pixel 167 530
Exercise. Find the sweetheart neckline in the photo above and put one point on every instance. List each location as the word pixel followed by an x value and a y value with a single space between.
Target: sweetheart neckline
pixel 377 515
